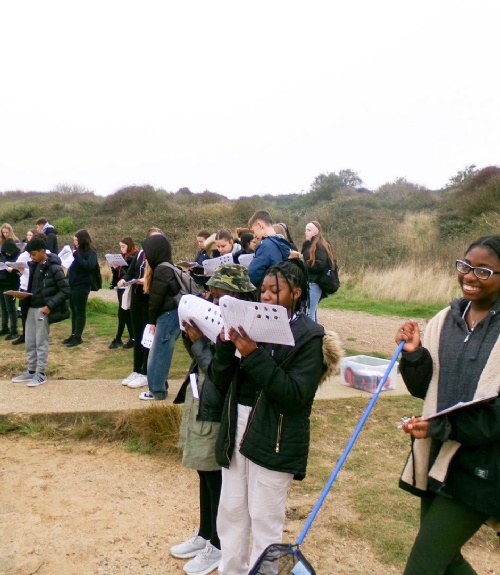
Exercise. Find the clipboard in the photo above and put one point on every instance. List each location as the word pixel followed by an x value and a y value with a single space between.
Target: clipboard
pixel 461 405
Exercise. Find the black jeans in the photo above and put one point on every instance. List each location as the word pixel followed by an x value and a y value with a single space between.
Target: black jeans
pixel 78 307
pixel 139 316
pixel 9 311
pixel 124 318
pixel 445 526
pixel 210 486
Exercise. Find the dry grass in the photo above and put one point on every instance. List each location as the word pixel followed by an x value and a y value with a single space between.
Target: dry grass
pixel 412 282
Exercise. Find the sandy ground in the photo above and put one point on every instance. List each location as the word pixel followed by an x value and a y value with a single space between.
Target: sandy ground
pixel 86 508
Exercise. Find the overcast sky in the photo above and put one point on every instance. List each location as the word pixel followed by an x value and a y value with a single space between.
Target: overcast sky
pixel 245 98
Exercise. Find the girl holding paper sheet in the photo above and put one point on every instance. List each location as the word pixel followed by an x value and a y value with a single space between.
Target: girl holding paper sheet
pixel 264 438
pixel 201 423
pixel 128 251
pixel 454 465
pixel 9 280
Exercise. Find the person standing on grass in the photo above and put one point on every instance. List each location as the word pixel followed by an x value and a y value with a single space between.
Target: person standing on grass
pixel 201 423
pixel 454 464
pixel 161 285
pixel 128 251
pixel 263 441
pixel 80 277
pixel 9 280
pixel 318 256
pixel 139 314
pixel 50 290
pixel 272 249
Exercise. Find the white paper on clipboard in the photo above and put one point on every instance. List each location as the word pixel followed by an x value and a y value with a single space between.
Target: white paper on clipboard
pixel 213 263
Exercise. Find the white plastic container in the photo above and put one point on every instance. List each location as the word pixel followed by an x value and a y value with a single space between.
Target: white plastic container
pixel 365 372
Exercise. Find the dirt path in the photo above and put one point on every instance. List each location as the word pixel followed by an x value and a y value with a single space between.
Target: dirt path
pixel 85 508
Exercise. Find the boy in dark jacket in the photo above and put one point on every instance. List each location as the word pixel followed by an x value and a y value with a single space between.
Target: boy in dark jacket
pixel 48 290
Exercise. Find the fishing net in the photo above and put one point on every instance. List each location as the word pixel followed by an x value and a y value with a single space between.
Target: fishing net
pixel 282 559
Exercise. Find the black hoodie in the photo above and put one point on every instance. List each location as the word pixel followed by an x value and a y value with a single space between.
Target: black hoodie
pixel 163 284
pixel 9 253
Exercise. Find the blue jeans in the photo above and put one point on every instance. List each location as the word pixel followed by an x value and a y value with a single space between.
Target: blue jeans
pixel 314 297
pixel 161 352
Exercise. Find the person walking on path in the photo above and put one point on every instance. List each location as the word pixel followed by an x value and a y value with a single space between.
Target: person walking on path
pixel 454 464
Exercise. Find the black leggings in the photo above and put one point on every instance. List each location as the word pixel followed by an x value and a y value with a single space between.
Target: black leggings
pixel 78 306
pixel 210 486
pixel 123 318
pixel 445 526
pixel 139 319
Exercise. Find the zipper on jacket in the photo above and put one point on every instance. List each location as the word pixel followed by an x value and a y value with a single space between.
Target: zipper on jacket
pixel 278 436
pixel 249 422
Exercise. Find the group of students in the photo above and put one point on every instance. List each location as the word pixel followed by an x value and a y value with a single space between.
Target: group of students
pixel 247 431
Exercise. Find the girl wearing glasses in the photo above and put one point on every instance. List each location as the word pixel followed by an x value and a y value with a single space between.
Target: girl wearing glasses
pixel 454 465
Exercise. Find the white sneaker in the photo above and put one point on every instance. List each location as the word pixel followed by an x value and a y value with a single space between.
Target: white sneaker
pixel 139 381
pixel 38 379
pixel 189 548
pixel 130 378
pixel 205 562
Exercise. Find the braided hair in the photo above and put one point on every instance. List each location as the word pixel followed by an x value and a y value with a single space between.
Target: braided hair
pixel 492 243
pixel 294 272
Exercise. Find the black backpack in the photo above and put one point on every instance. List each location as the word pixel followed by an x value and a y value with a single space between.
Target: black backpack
pixel 329 281
pixel 96 279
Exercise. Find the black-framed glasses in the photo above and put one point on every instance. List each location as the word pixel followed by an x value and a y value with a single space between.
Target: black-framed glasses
pixel 481 273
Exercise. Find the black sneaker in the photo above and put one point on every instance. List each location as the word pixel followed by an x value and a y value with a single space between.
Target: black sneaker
pixel 115 343
pixel 129 344
pixel 19 340
pixel 74 342
pixel 11 336
pixel 68 339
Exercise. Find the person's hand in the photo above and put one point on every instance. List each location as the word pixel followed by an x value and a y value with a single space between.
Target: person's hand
pixel 410 332
pixel 417 427
pixel 152 329
pixel 46 310
pixel 192 330
pixel 222 335
pixel 140 281
pixel 121 283
pixel 244 344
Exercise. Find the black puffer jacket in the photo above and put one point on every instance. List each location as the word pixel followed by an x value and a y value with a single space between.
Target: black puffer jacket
pixel 164 284
pixel 285 380
pixel 55 288
pixel 9 253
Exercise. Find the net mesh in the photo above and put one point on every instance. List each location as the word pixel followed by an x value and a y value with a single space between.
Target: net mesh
pixel 282 559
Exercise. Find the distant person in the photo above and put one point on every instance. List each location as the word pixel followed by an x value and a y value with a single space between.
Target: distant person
pixel 161 285
pixel 197 273
pixel 200 426
pixel 272 249
pixel 9 281
pixel 7 232
pixel 50 289
pixel 318 257
pixel 139 314
pixel 454 461
pixel 43 226
pixel 282 229
pixel 248 245
pixel 80 277
pixel 128 251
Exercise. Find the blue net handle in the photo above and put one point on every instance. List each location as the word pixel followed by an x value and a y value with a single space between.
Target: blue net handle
pixel 349 446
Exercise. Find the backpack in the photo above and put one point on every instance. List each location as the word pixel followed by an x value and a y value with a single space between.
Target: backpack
pixel 185 281
pixel 329 281
pixel 96 279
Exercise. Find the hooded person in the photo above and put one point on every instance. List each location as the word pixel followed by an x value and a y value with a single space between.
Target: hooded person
pixel 9 280
pixel 161 285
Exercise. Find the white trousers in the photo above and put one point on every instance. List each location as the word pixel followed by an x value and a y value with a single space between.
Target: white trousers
pixel 252 504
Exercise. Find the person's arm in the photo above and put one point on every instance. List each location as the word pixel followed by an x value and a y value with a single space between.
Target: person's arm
pixel 86 261
pixel 320 261
pixel 163 285
pixel 258 266
pixel 223 366
pixel 63 289
pixel 293 384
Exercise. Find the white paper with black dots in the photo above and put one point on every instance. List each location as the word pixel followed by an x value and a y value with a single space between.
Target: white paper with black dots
pixel 264 323
pixel 205 314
